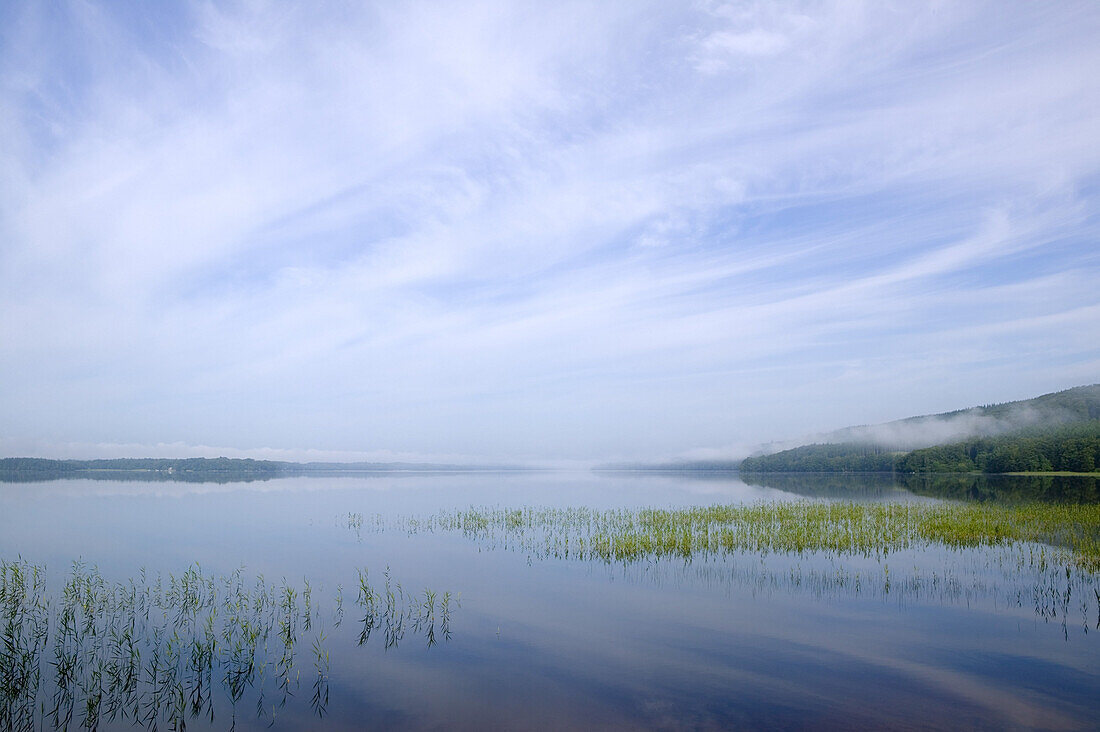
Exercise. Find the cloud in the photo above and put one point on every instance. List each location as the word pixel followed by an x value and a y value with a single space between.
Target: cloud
pixel 537 231
pixel 719 48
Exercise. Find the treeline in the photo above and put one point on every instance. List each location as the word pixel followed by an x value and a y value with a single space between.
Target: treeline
pixel 215 470
pixel 161 465
pixel 1079 404
pixel 1069 448
pixel 830 458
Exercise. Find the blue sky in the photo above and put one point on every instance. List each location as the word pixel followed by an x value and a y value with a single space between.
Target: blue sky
pixel 545 231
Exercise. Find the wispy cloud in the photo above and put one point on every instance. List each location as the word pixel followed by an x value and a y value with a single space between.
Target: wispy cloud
pixel 529 230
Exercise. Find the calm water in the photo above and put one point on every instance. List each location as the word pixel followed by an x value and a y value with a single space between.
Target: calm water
pixel 930 638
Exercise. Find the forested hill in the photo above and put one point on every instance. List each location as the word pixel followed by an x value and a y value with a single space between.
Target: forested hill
pixel 828 458
pixel 1078 404
pixel 1072 448
pixel 1059 432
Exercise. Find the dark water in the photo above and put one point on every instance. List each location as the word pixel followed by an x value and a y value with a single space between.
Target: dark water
pixel 927 638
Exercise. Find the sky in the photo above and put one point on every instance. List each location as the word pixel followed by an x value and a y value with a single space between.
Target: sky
pixel 537 231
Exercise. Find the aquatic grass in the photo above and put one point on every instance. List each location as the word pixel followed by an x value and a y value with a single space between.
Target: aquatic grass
pixel 1038 555
pixel 319 701
pixel 1071 532
pixel 393 610
pixel 159 653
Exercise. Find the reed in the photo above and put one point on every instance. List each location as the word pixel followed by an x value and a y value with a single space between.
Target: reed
pixel 157 653
pixel 1068 534
pixel 1041 555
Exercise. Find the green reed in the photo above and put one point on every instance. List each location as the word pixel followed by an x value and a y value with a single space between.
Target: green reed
pixel 393 610
pixel 161 652
pixel 1071 532
pixel 1044 556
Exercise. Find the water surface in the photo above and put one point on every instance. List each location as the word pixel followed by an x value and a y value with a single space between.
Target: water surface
pixel 928 637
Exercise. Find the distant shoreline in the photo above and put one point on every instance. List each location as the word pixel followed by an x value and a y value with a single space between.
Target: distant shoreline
pixel 222 469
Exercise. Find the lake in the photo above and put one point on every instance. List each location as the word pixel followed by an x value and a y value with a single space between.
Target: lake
pixel 491 600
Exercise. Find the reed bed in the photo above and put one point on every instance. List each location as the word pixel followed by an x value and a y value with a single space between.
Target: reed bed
pixel 1043 556
pixel 157 652
pixel 1067 534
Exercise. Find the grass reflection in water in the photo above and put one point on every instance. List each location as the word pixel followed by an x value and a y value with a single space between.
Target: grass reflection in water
pixel 1070 533
pixel 1042 556
pixel 162 651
